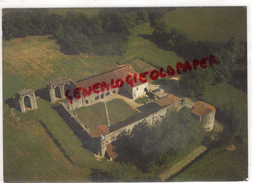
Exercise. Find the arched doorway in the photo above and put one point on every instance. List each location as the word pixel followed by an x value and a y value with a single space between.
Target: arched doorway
pixel 66 87
pixel 27 102
pixel 57 92
pixel 102 95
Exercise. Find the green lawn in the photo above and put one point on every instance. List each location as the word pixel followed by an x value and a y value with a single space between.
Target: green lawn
pixel 119 110
pixel 139 46
pixel 93 115
pixel 223 165
pixel 31 155
pixel 62 132
pixel 33 61
pixel 214 24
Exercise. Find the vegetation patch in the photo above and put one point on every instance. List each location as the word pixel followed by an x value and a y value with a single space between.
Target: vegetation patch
pixel 143 100
pixel 148 147
pixel 60 130
pixel 209 24
pixel 93 115
pixel 119 110
pixel 218 165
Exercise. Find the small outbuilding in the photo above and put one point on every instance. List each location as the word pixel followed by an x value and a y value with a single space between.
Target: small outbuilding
pixel 206 114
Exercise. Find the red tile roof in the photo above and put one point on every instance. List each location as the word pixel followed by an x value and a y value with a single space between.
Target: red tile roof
pixel 201 108
pixel 168 100
pixel 110 150
pixel 99 130
pixel 120 73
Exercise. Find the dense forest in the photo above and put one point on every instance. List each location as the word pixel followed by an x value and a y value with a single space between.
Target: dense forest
pixel 76 33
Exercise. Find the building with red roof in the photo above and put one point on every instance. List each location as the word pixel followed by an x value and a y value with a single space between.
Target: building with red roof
pixel 99 87
pixel 206 114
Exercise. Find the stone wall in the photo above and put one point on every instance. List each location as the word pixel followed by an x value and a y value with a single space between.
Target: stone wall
pixel 208 121
pixel 85 127
pixel 91 99
pixel 139 91
pixel 150 119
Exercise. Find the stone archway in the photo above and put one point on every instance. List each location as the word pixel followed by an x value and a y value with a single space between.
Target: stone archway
pixel 27 102
pixel 57 91
pixel 25 99
pixel 62 85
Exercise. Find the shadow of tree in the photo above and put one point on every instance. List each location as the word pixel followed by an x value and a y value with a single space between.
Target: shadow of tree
pixel 99 175
pixel 189 51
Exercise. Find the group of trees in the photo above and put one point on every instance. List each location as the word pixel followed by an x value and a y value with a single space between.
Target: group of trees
pixel 76 32
pixel 204 83
pixel 147 147
pixel 121 172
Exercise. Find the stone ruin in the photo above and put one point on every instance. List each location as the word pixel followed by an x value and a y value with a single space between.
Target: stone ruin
pixel 58 87
pixel 25 99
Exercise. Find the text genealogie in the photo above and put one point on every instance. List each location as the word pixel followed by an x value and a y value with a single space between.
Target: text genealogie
pixel 153 75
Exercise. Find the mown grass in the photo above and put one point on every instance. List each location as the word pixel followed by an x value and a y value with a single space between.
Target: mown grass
pixel 139 45
pixel 62 132
pixel 214 24
pixel 31 155
pixel 119 110
pixel 222 165
pixel 93 115
pixel 33 61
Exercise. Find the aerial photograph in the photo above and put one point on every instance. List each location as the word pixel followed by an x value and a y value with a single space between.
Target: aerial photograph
pixel 147 94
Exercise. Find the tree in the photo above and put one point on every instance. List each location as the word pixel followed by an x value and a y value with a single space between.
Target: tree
pixel 196 82
pixel 147 147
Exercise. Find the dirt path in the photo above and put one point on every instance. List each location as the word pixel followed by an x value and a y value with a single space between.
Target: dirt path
pixel 181 164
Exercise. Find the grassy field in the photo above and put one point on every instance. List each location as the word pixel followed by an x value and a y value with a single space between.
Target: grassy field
pixel 93 115
pixel 219 166
pixel 139 45
pixel 33 61
pixel 217 24
pixel 30 154
pixel 119 110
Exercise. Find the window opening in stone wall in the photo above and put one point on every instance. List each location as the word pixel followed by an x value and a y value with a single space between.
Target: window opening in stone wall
pixel 97 97
pixel 86 101
pixel 66 87
pixel 102 95
pixel 27 102
pixel 137 88
pixel 107 93
pixel 57 92
pixel 114 91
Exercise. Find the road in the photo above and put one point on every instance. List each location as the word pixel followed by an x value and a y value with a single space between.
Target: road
pixel 181 164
